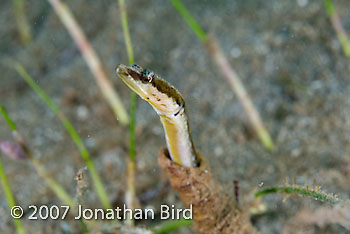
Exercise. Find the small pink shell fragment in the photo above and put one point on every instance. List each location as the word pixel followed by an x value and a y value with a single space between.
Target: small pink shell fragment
pixel 12 150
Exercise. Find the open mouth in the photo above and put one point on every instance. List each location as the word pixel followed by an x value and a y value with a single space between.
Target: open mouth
pixel 125 71
pixel 121 70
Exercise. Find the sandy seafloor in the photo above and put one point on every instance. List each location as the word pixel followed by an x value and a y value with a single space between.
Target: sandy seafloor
pixel 286 53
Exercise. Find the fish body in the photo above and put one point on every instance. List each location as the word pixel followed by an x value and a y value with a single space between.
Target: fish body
pixel 170 107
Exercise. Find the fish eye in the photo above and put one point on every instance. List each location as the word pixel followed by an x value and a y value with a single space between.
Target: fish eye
pixel 148 75
pixel 145 72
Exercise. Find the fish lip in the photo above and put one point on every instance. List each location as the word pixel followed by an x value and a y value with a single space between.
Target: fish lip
pixel 121 69
pixel 126 71
pixel 130 77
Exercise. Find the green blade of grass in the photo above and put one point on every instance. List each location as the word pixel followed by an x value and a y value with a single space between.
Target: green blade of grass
pixel 9 196
pixel 316 194
pixel 22 22
pixel 229 73
pixel 10 199
pixel 40 169
pixel 338 27
pixel 9 121
pixel 132 151
pixel 92 60
pixel 73 133
pixel 57 188
pixel 60 192
pixel 171 225
pixel 133 97
pixel 125 26
pixel 130 195
pixel 192 23
pixel 329 7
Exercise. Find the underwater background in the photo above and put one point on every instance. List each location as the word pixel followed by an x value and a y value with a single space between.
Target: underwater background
pixel 286 53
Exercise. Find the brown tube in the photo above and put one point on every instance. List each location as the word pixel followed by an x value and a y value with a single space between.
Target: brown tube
pixel 213 210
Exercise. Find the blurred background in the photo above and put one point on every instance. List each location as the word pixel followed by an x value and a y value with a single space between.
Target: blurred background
pixel 286 53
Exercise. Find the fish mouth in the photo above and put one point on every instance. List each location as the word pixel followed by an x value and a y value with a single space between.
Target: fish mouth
pixel 122 70
pixel 127 73
pixel 134 71
pixel 131 78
